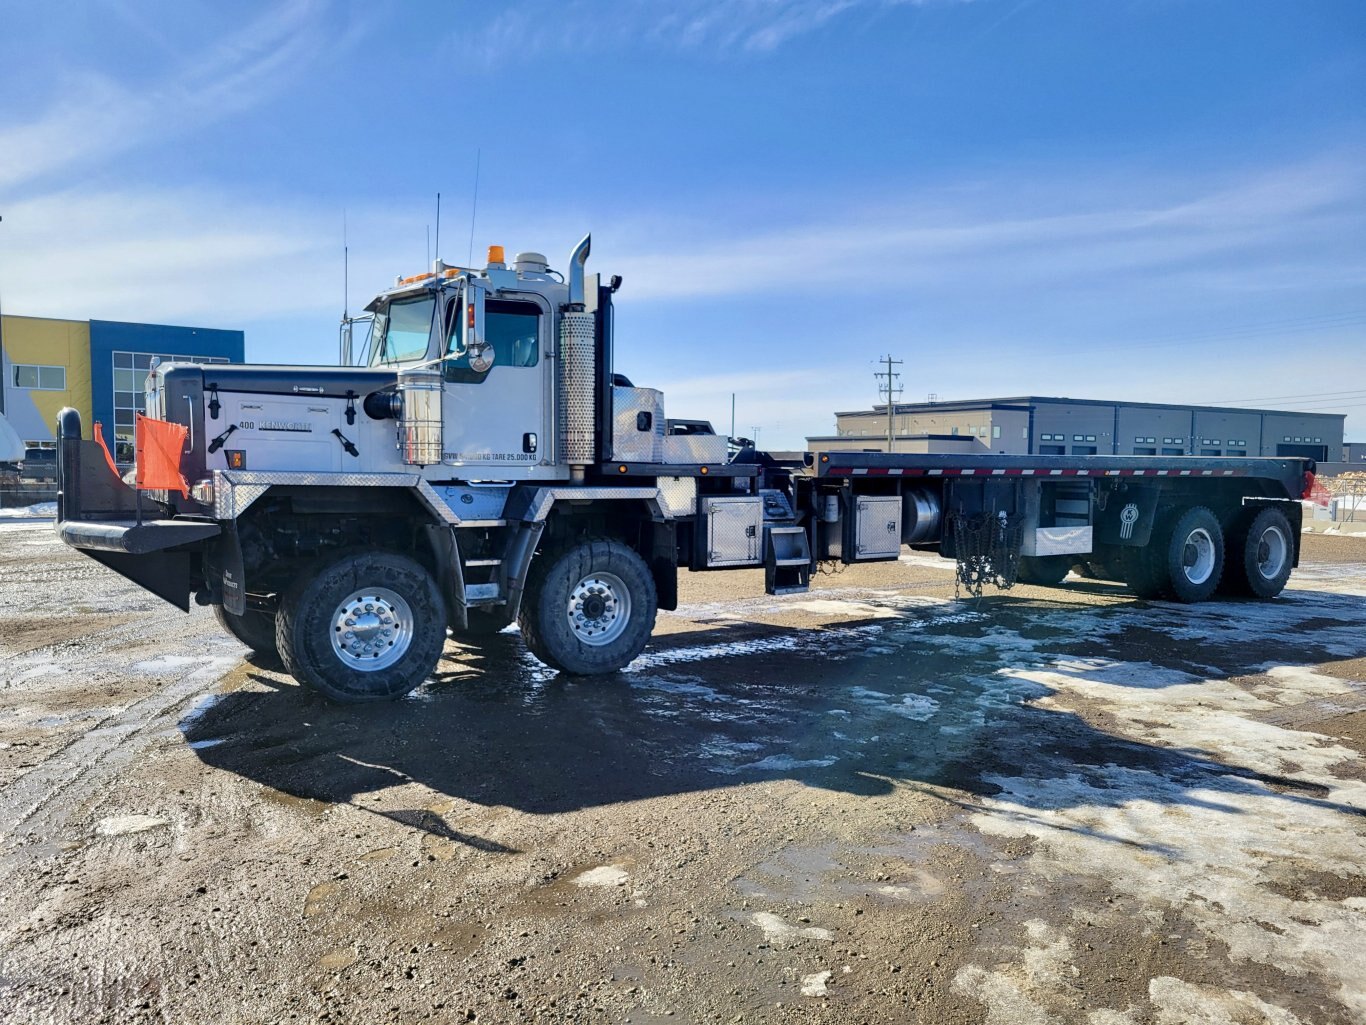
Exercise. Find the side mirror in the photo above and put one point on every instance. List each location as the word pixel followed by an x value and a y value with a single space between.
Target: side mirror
pixel 477 347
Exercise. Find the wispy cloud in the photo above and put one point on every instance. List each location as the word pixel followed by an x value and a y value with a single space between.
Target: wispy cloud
pixel 1259 229
pixel 96 117
pixel 722 28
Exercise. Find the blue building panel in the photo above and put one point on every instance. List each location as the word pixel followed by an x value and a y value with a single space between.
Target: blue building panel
pixel 120 355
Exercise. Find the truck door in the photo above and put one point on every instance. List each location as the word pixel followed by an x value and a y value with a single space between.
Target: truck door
pixel 496 417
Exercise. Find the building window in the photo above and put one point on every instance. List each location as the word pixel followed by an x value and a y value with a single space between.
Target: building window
pixel 39 378
pixel 1090 437
pixel 995 430
pixel 953 430
pixel 1178 441
pixel 130 377
pixel 1077 437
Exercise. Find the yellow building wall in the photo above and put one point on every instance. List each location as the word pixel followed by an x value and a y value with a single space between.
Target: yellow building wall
pixel 39 340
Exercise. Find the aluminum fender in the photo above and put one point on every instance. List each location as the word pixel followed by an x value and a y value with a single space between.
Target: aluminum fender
pixel 235 490
pixel 534 504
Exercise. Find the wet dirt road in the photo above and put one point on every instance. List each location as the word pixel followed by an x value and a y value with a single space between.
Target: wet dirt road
pixel 866 804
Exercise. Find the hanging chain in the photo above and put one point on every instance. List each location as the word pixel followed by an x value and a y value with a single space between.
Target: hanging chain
pixel 987 546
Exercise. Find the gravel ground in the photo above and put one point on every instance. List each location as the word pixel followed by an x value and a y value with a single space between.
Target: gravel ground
pixel 870 803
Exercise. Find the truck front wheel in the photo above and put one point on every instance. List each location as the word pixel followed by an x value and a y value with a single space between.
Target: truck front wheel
pixel 369 626
pixel 589 609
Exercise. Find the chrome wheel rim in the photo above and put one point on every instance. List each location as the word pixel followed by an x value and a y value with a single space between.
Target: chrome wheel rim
pixel 1197 557
pixel 599 608
pixel 1273 549
pixel 372 629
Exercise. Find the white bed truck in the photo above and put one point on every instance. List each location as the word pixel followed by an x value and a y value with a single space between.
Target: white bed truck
pixel 487 466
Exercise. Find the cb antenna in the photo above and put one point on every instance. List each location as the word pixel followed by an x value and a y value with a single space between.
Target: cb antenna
pixel 474 206
pixel 436 253
pixel 346 269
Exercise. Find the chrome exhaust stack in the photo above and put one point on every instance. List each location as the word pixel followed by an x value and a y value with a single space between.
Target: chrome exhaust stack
pixel 578 365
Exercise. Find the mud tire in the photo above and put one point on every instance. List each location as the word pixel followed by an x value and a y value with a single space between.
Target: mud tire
pixel 544 618
pixel 306 624
pixel 1252 566
pixel 1160 570
pixel 254 628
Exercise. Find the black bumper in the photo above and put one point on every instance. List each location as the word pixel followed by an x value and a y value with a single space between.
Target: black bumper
pixel 98 514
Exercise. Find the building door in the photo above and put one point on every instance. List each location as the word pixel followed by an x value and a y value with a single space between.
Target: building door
pixel 1316 452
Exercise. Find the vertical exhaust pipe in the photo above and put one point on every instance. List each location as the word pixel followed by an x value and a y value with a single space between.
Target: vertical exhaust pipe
pixel 577 259
pixel 578 366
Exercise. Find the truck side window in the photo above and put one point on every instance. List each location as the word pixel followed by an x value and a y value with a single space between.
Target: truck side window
pixel 511 327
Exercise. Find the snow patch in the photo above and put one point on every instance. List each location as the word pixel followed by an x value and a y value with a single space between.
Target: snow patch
pixel 121 825
pixel 604 875
pixel 781 933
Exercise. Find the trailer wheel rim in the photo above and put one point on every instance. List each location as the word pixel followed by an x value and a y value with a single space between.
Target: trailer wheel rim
pixel 1198 556
pixel 1273 549
pixel 599 608
pixel 372 629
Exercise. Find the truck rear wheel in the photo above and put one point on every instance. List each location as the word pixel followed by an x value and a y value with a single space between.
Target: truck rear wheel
pixel 368 626
pixel 1259 557
pixel 253 628
pixel 1043 570
pixel 481 624
pixel 1183 560
pixel 589 609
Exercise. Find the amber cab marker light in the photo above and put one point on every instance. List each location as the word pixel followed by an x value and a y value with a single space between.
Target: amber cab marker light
pixel 705 471
pixel 621 469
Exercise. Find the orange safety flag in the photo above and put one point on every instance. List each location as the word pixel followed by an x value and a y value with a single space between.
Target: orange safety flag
pixel 98 432
pixel 157 446
pixel 99 436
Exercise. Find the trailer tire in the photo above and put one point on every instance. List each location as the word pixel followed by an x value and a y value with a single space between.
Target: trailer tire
pixel 589 609
pixel 1183 560
pixel 399 618
pixel 254 628
pixel 1260 555
pixel 1043 570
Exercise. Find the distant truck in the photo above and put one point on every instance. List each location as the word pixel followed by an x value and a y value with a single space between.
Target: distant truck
pixel 39 466
pixel 486 465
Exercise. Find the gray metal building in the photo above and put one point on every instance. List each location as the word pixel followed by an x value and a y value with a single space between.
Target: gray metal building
pixel 1040 425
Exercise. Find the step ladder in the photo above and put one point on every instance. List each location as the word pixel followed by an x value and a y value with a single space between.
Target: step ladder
pixel 787 560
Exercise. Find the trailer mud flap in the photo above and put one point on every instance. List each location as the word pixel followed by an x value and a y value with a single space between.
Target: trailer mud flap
pixel 165 574
pixel 234 574
pixel 1127 518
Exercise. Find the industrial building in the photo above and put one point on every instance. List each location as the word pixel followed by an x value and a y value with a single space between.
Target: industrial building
pixel 1039 425
pixel 97 367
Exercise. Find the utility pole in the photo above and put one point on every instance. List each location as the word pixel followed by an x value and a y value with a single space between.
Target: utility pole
pixel 756 438
pixel 890 390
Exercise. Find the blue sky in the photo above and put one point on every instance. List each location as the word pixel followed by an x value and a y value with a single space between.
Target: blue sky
pixel 1137 199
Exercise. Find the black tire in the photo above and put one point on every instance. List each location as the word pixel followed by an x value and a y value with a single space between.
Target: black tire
pixel 482 624
pixel 374 665
pixel 604 640
pixel 1260 553
pixel 1043 570
pixel 254 628
pixel 1183 560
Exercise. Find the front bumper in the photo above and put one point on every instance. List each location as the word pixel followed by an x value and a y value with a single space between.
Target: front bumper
pixel 98 514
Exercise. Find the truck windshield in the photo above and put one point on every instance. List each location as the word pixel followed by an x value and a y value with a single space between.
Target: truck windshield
pixel 401 330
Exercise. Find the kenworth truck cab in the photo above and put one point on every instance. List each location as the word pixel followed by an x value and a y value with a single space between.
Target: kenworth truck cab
pixel 486 465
